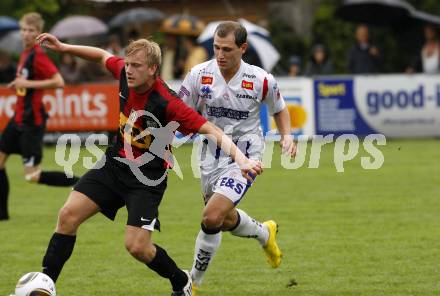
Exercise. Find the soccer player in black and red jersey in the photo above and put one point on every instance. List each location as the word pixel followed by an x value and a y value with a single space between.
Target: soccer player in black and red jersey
pixel 24 132
pixel 114 183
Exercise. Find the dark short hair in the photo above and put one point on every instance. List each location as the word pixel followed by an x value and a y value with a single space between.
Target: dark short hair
pixel 227 27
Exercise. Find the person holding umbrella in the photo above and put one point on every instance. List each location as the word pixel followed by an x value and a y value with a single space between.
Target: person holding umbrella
pixel 428 60
pixel 229 93
pixel 363 57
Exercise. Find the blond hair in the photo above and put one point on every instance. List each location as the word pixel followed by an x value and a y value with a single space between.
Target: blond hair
pixel 151 49
pixel 33 19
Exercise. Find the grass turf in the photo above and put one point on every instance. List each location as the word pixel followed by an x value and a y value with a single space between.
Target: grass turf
pixel 361 232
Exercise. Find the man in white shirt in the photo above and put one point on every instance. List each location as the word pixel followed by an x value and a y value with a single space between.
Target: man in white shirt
pixel 228 92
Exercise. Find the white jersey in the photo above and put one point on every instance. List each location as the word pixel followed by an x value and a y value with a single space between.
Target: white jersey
pixel 234 106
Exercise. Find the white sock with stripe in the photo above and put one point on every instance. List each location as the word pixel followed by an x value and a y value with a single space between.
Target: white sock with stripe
pixel 250 228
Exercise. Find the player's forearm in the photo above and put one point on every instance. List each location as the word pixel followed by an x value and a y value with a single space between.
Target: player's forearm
pixel 55 82
pixel 282 120
pixel 214 133
pixel 90 53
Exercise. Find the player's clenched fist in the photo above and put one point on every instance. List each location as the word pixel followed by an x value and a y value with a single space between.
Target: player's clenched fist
pixel 251 168
pixel 50 41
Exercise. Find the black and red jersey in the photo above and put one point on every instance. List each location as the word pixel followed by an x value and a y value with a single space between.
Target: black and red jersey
pixel 163 106
pixel 34 64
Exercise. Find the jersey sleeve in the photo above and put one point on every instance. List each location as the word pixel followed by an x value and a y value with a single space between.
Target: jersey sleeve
pixel 114 65
pixel 189 120
pixel 44 67
pixel 272 96
pixel 188 92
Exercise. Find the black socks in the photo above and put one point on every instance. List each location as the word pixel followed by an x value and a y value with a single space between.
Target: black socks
pixel 57 179
pixel 4 192
pixel 61 247
pixel 167 268
pixel 48 178
pixel 58 252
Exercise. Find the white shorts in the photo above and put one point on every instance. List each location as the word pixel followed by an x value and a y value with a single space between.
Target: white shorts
pixel 227 181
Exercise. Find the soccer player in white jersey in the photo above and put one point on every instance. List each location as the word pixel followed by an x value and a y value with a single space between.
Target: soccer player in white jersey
pixel 228 92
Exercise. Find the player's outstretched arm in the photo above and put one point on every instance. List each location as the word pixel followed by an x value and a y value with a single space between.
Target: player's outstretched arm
pixel 250 168
pixel 55 81
pixel 282 120
pixel 90 53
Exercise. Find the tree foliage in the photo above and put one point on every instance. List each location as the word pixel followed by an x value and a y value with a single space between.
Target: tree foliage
pixel 51 10
pixel 287 42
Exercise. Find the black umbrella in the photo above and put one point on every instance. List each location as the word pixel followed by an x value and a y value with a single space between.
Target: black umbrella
pixel 375 12
pixel 423 18
pixel 136 15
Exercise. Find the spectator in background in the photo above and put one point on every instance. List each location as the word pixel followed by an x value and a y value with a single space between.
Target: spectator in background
pixel 90 72
pixel 69 69
pixel 294 66
pixel 428 60
pixel 114 46
pixel 319 63
pixel 7 68
pixel 172 62
pixel 195 54
pixel 364 57
pixel 133 35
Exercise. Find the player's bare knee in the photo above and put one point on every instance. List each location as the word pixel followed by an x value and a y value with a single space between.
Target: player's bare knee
pixel 212 220
pixel 229 222
pixel 228 225
pixel 150 252
pixel 68 222
pixel 133 248
pixel 139 250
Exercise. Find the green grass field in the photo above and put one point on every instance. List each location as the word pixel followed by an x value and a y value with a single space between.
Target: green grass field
pixel 361 232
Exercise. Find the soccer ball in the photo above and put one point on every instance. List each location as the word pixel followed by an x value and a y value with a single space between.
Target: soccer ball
pixel 35 284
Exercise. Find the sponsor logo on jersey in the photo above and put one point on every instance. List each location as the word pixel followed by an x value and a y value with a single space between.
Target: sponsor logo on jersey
pixel 183 92
pixel 206 72
pixel 151 123
pixel 135 131
pixel 21 91
pixel 245 96
pixel 250 76
pixel 276 89
pixel 205 92
pixel 247 85
pixel 207 80
pixel 228 113
pixel 208 97
pixel 24 72
pixel 232 184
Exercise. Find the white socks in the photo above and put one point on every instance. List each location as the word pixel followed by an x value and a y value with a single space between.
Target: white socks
pixel 205 248
pixel 248 227
pixel 208 244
